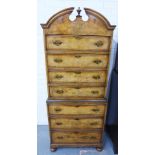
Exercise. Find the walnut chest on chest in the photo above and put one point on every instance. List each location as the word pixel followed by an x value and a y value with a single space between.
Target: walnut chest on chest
pixel 77 60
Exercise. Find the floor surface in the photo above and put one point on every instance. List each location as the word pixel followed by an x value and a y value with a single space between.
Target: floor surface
pixel 43 146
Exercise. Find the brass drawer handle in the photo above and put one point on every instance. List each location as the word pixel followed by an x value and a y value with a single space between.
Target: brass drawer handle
pixel 77 56
pixel 93 123
pixel 77 106
pixel 77 72
pixel 57 109
pixel 77 87
pixel 97 61
pixel 60 137
pixel 96 77
pixel 95 110
pixel 58 76
pixel 99 43
pixel 76 132
pixel 59 91
pixel 92 137
pixel 57 42
pixel 58 60
pixel 58 123
pixel 94 92
pixel 78 37
pixel 76 119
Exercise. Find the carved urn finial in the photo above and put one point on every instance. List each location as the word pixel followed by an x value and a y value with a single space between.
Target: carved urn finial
pixel 78 11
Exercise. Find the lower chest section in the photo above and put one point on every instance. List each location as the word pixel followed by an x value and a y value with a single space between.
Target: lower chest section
pixel 76 122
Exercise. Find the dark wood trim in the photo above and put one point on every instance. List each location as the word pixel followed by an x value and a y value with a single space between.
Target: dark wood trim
pixel 74 35
pixel 50 69
pixel 46 60
pixel 76 144
pixel 74 86
pixel 76 130
pixel 74 97
pixel 58 51
pixel 71 116
pixel 104 122
pixel 64 85
pixel 80 51
pixel 71 53
pixel 49 124
pixel 81 84
pixel 70 10
pixel 93 102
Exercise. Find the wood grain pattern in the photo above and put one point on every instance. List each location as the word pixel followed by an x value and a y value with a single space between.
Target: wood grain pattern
pixel 76 123
pixel 76 102
pixel 77 63
pixel 83 43
pixel 76 69
pixel 97 24
pixel 62 91
pixel 73 109
pixel 78 60
pixel 81 84
pixel 57 145
pixel 69 51
pixel 77 76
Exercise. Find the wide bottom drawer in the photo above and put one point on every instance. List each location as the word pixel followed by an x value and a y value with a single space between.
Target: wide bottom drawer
pixel 76 137
pixel 75 123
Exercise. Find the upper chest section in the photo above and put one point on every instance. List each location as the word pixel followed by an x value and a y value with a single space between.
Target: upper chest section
pixel 95 25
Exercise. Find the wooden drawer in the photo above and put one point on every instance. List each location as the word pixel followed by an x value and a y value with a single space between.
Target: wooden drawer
pixel 75 123
pixel 76 137
pixel 78 76
pixel 80 60
pixel 77 42
pixel 76 92
pixel 76 110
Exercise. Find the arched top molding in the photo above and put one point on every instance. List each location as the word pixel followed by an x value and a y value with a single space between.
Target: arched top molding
pixel 60 23
pixel 98 15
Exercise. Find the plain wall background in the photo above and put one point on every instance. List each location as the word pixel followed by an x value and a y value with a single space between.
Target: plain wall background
pixel 46 8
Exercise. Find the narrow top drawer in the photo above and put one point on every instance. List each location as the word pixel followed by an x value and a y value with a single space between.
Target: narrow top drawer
pixel 77 42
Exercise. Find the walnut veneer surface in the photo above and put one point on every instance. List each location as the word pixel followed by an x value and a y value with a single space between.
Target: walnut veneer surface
pixel 77 62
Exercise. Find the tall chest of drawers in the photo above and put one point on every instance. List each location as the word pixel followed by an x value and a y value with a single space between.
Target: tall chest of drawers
pixel 77 61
